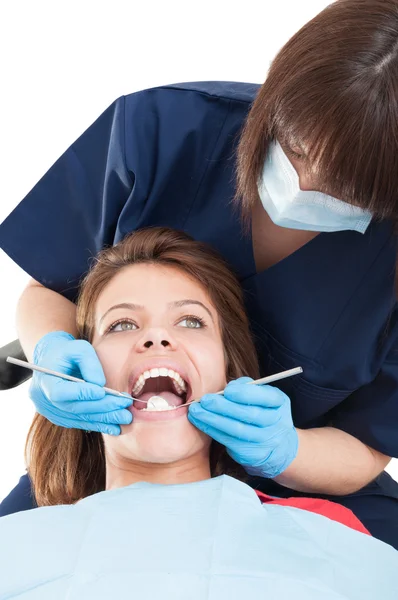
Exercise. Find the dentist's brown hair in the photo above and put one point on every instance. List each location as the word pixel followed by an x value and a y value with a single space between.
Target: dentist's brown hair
pixel 66 465
pixel 333 90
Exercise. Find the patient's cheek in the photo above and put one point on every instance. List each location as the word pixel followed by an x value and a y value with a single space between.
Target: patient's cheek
pixel 110 363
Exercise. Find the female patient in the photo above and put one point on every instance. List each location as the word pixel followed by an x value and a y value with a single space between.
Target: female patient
pixel 166 318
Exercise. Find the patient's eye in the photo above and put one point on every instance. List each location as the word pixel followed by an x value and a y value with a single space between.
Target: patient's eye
pixel 124 325
pixel 192 322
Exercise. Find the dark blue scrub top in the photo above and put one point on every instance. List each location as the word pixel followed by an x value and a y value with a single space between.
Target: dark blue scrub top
pixel 165 156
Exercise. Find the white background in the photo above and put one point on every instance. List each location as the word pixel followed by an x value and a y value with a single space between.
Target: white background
pixel 63 63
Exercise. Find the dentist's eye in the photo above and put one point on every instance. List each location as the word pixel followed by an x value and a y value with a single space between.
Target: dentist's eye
pixel 296 153
pixel 192 322
pixel 123 325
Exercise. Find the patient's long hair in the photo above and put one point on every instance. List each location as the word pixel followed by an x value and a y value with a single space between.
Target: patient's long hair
pixel 66 465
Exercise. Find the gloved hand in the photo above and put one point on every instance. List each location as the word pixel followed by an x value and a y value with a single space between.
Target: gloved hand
pixel 71 404
pixel 253 422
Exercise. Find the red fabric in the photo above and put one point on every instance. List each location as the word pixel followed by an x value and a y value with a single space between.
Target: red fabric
pixel 329 509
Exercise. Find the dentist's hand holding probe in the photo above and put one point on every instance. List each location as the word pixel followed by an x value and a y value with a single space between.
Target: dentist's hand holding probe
pixel 70 404
pixel 253 422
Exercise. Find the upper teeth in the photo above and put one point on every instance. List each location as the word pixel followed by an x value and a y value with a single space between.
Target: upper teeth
pixel 178 381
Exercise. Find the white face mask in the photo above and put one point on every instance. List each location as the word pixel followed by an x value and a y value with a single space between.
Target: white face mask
pixel 290 207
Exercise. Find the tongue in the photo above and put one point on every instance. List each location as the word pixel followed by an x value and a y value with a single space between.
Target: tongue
pixel 171 399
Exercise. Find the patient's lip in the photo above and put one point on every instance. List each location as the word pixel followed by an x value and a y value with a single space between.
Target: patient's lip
pixel 157 415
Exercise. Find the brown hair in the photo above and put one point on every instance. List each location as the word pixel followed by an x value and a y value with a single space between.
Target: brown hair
pixel 333 88
pixel 66 465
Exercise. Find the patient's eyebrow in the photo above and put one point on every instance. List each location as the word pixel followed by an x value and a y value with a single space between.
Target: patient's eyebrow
pixel 176 304
pixel 127 305
pixel 180 303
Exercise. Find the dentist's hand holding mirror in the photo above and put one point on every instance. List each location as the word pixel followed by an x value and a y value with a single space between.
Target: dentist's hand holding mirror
pixel 253 422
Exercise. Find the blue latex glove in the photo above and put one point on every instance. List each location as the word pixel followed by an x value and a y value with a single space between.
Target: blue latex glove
pixel 253 422
pixel 70 404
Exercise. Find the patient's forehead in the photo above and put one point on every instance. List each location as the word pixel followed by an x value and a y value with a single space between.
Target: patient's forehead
pixel 153 286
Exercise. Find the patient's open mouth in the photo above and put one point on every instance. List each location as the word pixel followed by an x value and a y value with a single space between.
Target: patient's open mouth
pixel 159 383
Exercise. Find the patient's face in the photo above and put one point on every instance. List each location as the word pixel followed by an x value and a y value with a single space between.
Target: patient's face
pixel 152 317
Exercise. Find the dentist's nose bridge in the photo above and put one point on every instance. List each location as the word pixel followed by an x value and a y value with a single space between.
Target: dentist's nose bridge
pixel 308 179
pixel 307 182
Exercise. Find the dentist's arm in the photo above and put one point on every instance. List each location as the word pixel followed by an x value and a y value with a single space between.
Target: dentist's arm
pixel 331 461
pixel 46 325
pixel 40 311
pixel 255 424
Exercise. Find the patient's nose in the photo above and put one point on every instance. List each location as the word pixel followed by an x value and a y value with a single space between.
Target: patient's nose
pixel 155 339
pixel 150 343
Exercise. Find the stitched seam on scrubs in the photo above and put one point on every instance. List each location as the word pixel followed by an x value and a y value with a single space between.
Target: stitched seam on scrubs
pixel 186 90
pixel 209 160
pixel 295 356
pixel 352 296
pixel 124 143
pixel 312 389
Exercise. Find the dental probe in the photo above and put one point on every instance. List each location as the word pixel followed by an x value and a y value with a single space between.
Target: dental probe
pixel 262 381
pixel 27 365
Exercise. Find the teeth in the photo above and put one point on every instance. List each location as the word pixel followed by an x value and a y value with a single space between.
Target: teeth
pixel 139 385
pixel 177 387
pixel 178 382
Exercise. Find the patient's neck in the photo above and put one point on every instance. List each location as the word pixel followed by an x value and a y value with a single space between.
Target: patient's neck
pixel 121 472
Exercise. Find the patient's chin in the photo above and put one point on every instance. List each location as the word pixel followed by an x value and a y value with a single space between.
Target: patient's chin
pixel 159 442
